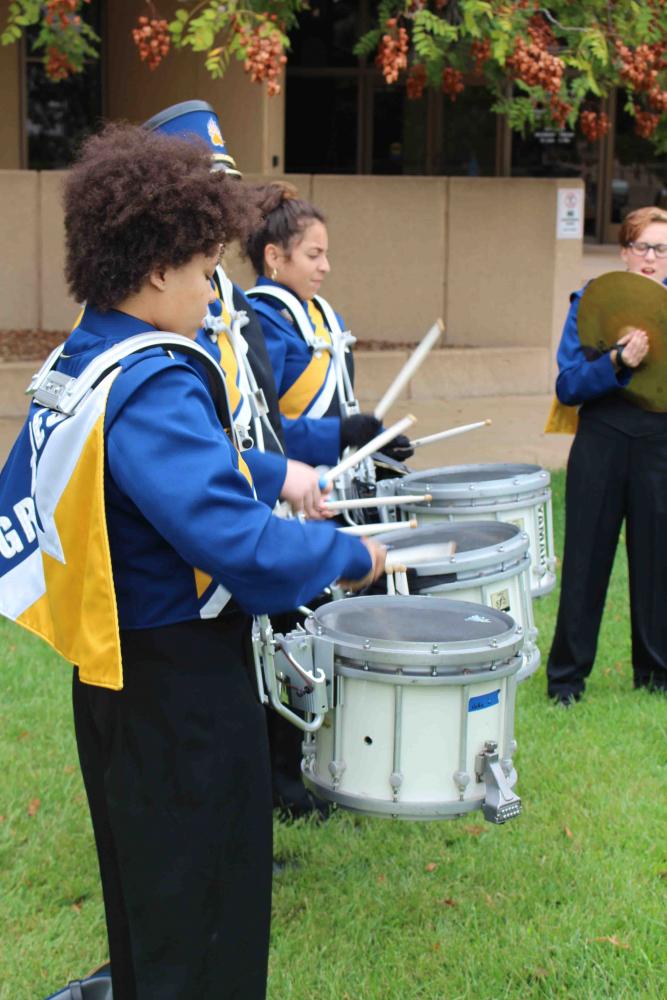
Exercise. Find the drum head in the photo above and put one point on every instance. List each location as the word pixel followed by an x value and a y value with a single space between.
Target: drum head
pixel 466 536
pixel 454 474
pixel 417 622
pixel 471 482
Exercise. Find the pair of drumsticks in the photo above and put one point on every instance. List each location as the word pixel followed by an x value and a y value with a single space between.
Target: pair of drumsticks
pixel 377 443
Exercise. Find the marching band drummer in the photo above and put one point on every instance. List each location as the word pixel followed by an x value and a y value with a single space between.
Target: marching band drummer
pixel 617 469
pixel 144 555
pixel 232 334
pixel 289 252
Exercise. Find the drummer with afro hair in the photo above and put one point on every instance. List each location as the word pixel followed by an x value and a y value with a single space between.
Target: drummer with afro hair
pixel 154 555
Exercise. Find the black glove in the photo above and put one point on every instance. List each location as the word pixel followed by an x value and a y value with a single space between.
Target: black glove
pixel 399 448
pixel 358 430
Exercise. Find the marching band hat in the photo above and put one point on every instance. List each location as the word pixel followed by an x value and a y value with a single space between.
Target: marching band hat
pixel 195 118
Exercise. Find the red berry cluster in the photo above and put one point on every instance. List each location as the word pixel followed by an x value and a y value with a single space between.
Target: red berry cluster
pixel 559 111
pixel 536 66
pixel 639 70
pixel 481 53
pixel 63 11
pixel 594 124
pixel 639 67
pixel 151 36
pixel 541 33
pixel 58 65
pixel 264 56
pixel 452 82
pixel 416 81
pixel 657 98
pixel 645 122
pixel 392 54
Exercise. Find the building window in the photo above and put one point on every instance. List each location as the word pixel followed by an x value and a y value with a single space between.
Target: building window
pixel 59 115
pixel 342 118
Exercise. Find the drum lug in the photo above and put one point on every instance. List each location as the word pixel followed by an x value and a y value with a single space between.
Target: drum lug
pixel 500 802
pixel 462 780
pixel 395 780
pixel 336 769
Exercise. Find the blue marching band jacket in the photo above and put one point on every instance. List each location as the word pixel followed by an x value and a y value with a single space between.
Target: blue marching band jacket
pixel 312 363
pixel 582 374
pixel 134 508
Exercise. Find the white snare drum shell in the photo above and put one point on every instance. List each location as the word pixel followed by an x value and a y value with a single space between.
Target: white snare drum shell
pixel 403 738
pixel 489 564
pixel 517 494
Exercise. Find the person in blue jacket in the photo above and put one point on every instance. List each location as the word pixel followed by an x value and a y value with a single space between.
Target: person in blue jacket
pixel 147 551
pixel 617 470
pixel 306 339
pixel 232 334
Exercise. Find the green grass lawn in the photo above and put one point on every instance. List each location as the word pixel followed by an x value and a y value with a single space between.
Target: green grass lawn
pixel 568 901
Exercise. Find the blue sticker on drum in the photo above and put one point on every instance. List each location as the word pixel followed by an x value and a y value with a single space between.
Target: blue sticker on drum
pixel 483 701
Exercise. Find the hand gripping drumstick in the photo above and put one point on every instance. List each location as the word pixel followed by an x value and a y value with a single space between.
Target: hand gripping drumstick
pixel 374 445
pixel 378 529
pixel 452 432
pixel 409 368
pixel 375 501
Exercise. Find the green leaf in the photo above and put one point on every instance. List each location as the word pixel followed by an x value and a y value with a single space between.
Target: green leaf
pixel 474 12
pixel 368 43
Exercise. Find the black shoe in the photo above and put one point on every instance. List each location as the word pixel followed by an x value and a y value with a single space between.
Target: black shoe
pixel 565 699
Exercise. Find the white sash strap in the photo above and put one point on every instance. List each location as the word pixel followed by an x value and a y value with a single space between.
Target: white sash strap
pixel 292 303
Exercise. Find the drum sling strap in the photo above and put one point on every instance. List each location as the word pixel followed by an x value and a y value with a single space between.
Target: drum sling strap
pixel 312 392
pixel 233 343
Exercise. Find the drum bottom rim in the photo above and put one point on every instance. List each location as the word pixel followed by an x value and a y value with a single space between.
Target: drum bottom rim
pixel 385 809
pixel 530 665
pixel 544 586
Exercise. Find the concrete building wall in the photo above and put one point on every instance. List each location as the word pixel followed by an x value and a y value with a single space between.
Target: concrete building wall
pixel 479 253
pixel 505 267
pixel 20 259
pixel 388 252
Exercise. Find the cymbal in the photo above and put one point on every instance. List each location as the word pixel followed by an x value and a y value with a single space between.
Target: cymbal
pixel 615 303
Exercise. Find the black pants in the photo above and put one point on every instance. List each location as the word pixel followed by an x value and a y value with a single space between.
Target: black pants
pixel 177 776
pixel 612 477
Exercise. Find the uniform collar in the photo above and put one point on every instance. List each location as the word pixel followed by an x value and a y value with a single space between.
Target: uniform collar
pixel 112 326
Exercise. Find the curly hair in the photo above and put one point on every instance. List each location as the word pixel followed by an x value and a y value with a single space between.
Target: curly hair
pixel 137 200
pixel 285 216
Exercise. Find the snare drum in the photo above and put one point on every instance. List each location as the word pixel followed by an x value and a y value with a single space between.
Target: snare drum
pixel 421 715
pixel 516 494
pixel 482 561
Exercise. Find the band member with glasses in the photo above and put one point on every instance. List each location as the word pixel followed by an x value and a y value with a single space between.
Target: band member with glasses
pixel 617 470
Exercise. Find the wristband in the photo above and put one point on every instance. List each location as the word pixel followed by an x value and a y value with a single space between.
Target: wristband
pixel 620 363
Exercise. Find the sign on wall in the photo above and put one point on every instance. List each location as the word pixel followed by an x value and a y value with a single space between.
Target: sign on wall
pixel 570 214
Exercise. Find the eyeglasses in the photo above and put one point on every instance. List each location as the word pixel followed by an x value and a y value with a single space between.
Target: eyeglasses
pixel 641 249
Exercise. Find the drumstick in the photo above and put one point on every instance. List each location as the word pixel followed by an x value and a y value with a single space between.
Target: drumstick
pixel 415 555
pixel 375 502
pixel 452 432
pixel 373 445
pixel 409 368
pixel 391 582
pixel 378 529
